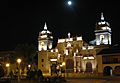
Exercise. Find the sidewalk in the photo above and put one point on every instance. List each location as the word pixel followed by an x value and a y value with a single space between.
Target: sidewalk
pixel 24 81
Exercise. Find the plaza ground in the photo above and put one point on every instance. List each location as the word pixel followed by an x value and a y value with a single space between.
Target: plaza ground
pixel 95 80
pixel 114 79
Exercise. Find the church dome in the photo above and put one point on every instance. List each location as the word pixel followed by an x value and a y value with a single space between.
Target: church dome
pixel 102 25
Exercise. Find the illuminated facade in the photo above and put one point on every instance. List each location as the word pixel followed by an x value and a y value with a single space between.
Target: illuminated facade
pixel 72 54
pixel 79 56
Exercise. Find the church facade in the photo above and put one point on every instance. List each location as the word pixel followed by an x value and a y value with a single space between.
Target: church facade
pixel 72 54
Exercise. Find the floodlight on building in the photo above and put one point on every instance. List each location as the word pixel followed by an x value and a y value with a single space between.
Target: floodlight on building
pixel 79 38
pixel 56 50
pixel 43 36
pixel 53 59
pixel 76 50
pixel 69 39
pixel 68 44
pixel 58 56
pixel 51 50
pixel 66 52
pixel 85 58
pixel 83 48
pixel 91 57
pixel 61 40
pixel 63 63
pixel 74 54
pixel 50 46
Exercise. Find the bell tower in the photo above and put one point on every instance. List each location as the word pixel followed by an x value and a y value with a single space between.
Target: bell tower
pixel 45 39
pixel 103 32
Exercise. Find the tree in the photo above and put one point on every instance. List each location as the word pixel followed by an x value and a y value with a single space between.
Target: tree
pixel 1 71
pixel 27 52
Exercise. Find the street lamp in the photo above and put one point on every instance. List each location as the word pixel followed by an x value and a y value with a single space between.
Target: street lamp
pixel 29 66
pixel 19 61
pixel 63 68
pixel 7 65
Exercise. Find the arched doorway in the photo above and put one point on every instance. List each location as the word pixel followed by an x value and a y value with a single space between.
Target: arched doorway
pixel 107 71
pixel 53 67
pixel 88 67
pixel 69 65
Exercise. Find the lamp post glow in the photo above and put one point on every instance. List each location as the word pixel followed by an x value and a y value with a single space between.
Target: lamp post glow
pixel 29 66
pixel 19 61
pixel 7 65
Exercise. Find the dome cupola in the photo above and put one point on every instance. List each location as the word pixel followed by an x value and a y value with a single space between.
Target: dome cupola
pixel 45 39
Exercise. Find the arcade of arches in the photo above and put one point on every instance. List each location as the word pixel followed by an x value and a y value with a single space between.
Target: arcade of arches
pixel 109 71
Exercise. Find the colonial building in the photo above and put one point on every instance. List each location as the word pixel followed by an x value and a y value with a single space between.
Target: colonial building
pixel 73 54
pixel 109 60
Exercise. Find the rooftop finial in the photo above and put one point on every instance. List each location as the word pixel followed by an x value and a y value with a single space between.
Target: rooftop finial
pixel 102 17
pixel 68 35
pixel 45 26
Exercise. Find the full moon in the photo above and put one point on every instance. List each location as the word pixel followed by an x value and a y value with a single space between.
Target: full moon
pixel 69 3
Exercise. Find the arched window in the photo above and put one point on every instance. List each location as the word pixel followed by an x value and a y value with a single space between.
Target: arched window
pixel 88 67
pixel 69 65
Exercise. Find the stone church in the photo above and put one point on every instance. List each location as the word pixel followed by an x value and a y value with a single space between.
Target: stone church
pixel 73 55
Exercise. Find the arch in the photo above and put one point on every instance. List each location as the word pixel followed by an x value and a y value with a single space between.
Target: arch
pixel 69 65
pixel 117 67
pixel 88 67
pixel 116 71
pixel 107 71
pixel 53 68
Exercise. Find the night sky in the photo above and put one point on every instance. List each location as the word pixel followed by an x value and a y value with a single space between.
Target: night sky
pixel 22 20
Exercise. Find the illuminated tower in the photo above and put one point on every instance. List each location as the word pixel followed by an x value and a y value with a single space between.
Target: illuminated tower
pixel 103 32
pixel 45 39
